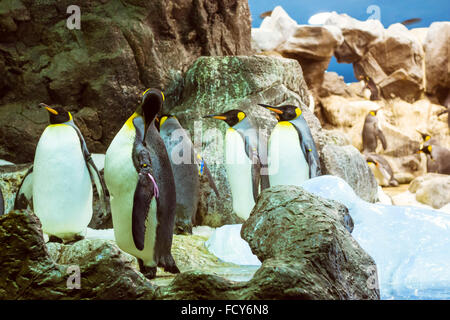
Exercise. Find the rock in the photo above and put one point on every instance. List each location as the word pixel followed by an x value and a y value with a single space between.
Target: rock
pixel 29 272
pixel 216 84
pixel 334 84
pixel 274 30
pixel 347 163
pixel 312 47
pixel 437 59
pixel 358 36
pixel 432 189
pixel 98 73
pixel 11 177
pixel 306 248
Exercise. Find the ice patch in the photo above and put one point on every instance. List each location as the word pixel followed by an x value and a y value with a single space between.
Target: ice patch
pixel 227 245
pixel 410 245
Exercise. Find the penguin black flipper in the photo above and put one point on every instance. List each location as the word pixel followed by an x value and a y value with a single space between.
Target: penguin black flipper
pixel 24 195
pixel 167 201
pixel 2 203
pixel 382 138
pixel 93 171
pixel 143 195
pixel 308 146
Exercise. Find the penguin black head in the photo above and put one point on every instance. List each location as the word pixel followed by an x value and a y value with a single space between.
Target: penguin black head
pixel 426 149
pixel 370 160
pixel 373 112
pixel 57 114
pixel 231 117
pixel 284 113
pixel 151 105
pixel 425 136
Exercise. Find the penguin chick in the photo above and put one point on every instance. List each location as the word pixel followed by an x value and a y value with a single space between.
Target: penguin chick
pixel 371 133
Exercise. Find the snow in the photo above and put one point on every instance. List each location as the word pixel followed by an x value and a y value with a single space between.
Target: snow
pixel 226 244
pixel 410 245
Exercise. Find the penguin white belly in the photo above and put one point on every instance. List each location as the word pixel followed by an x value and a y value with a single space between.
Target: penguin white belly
pixel 286 162
pixel 239 173
pixel 62 188
pixel 380 175
pixel 121 179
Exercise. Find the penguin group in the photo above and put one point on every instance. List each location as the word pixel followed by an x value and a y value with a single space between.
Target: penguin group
pixel 152 175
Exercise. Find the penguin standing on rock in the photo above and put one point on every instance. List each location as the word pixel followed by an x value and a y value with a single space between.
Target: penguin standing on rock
pixel 186 167
pixel 62 174
pixel 245 160
pixel 371 133
pixel 142 189
pixel 293 156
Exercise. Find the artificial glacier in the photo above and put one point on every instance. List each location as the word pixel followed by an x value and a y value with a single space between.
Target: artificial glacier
pixel 410 245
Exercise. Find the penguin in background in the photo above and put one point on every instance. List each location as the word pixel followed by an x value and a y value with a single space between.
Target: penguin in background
pixel 372 87
pixel 293 156
pixel 438 158
pixel 245 160
pixel 187 166
pixel 142 189
pixel 61 180
pixel 371 133
pixel 381 169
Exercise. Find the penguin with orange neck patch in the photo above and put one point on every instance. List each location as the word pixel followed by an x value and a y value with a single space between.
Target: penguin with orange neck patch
pixel 438 158
pixel 371 133
pixel 62 174
pixel 142 188
pixel 292 152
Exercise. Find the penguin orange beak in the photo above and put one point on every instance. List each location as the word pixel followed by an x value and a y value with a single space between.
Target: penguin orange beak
pixel 271 108
pixel 219 117
pixel 49 109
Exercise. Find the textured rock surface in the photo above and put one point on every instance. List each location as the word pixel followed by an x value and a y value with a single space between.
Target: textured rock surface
pixel 347 163
pixel 98 72
pixel 306 248
pixel 432 189
pixel 437 59
pixel 217 84
pixel 11 177
pixel 28 271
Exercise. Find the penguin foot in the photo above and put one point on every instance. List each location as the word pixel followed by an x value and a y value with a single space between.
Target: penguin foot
pixel 168 264
pixel 76 238
pixel 148 272
pixel 393 183
pixel 55 239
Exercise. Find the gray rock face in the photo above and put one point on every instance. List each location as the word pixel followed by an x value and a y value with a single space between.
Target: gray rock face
pixel 347 163
pixel 218 84
pixel 11 177
pixel 29 272
pixel 99 71
pixel 306 248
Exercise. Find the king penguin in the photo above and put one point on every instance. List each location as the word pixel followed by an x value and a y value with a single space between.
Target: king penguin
pixel 187 166
pixel 371 133
pixel 245 160
pixel 381 170
pixel 62 174
pixel 438 160
pixel 293 157
pixel 142 188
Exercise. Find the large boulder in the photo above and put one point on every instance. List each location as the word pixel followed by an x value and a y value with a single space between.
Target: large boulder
pixel 101 271
pixel 432 189
pixel 306 247
pixel 98 72
pixel 11 177
pixel 437 59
